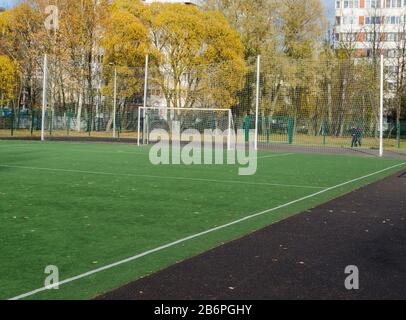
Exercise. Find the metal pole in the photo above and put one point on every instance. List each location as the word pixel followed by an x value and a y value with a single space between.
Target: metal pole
pixel 139 126
pixel 230 117
pixel 381 109
pixel 146 81
pixel 44 97
pixel 257 102
pixel 145 93
pixel 115 102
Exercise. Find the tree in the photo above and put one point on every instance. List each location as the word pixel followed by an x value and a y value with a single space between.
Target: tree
pixel 23 41
pixel 81 27
pixel 125 44
pixel 125 39
pixel 255 22
pixel 197 58
pixel 302 25
pixel 397 73
pixel 8 80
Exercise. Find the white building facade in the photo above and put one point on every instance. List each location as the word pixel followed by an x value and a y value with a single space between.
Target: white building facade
pixel 357 19
pixel 372 27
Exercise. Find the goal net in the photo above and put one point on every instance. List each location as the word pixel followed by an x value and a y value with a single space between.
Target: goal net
pixel 171 120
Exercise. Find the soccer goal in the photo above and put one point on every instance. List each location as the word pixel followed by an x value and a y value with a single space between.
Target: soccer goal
pixel 199 120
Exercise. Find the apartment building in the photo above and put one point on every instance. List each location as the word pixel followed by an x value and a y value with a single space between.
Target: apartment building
pixel 372 27
pixel 366 24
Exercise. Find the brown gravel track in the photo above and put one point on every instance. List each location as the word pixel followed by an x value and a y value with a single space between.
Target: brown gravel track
pixel 303 257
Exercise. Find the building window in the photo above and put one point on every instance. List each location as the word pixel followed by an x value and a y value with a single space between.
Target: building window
pixel 392 86
pixel 392 20
pixel 372 37
pixel 349 37
pixel 349 20
pixel 351 4
pixel 391 53
pixel 393 3
pixel 372 20
pixel 391 36
pixel 372 4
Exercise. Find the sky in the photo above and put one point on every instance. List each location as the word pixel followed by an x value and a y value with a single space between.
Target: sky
pixel 7 3
pixel 329 5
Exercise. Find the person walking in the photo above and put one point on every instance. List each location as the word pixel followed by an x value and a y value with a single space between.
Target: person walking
pixel 354 135
pixel 359 135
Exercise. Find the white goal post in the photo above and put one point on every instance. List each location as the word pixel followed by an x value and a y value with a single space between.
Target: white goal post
pixel 191 118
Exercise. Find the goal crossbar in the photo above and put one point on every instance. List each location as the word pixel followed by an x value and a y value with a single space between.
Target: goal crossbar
pixel 143 111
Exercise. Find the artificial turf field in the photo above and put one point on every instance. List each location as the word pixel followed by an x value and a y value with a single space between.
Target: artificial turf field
pixel 84 206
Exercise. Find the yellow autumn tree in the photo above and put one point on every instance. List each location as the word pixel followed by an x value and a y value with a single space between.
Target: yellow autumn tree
pixel 125 39
pixel 198 57
pixel 8 80
pixel 22 39
pixel 125 43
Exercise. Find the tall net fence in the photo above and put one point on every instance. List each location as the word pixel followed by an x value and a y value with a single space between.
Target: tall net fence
pixel 316 103
pixel 313 105
pixel 98 101
pixel 198 97
pixel 102 102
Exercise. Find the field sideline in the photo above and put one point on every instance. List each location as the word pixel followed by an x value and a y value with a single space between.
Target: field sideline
pixel 84 206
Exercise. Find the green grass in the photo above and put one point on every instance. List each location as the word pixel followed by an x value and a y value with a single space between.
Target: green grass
pixel 82 206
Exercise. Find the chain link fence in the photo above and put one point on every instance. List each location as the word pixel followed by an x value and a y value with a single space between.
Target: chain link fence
pixel 313 104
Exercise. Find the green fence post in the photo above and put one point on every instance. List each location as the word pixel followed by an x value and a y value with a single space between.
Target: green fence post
pixel 118 125
pixel 324 131
pixel 246 126
pixel 17 116
pixel 133 122
pixel 50 123
pixel 98 121
pixel 89 122
pixel 268 128
pixel 38 127
pixel 68 119
pixel 12 122
pixel 32 121
pixel 398 134
pixel 291 126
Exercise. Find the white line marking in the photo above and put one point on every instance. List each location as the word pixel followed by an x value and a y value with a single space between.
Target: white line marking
pixel 276 155
pixel 162 177
pixel 31 147
pixel 24 149
pixel 35 147
pixel 138 256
